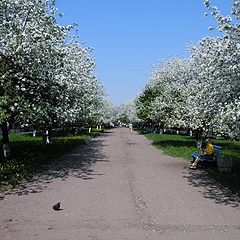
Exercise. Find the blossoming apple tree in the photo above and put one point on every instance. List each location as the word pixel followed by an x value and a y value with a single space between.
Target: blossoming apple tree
pixel 46 80
pixel 206 91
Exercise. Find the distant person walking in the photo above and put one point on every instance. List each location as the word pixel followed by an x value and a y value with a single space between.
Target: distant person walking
pixel 131 127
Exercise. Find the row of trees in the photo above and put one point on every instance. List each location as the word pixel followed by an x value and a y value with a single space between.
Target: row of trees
pixel 125 113
pixel 203 90
pixel 46 76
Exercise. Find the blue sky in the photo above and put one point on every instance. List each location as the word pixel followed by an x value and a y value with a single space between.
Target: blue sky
pixel 130 36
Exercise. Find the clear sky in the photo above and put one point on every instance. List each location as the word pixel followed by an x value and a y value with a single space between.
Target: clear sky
pixel 130 36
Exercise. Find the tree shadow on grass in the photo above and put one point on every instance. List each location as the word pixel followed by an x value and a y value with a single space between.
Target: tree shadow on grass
pixel 174 143
pixel 78 163
pixel 210 189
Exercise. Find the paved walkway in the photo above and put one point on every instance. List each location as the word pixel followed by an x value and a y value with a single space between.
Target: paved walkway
pixel 120 187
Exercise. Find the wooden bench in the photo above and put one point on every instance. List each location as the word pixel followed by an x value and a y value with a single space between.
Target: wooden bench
pixel 213 159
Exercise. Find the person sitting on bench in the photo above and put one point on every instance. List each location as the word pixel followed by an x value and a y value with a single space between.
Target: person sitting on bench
pixel 205 154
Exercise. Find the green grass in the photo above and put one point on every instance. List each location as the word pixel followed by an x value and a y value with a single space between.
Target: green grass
pixel 173 145
pixel 184 146
pixel 29 156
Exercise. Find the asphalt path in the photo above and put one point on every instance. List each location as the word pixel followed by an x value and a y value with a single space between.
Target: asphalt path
pixel 119 187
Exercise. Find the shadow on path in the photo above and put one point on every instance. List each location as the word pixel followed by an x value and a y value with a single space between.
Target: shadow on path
pixel 77 163
pixel 210 188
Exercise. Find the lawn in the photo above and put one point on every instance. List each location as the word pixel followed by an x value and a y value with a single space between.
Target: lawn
pixel 183 147
pixel 30 156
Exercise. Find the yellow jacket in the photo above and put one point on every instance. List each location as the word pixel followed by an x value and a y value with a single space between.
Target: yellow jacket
pixel 209 149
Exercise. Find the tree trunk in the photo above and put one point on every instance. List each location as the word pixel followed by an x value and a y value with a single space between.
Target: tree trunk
pixel 190 132
pixel 47 137
pixel 34 133
pixel 5 140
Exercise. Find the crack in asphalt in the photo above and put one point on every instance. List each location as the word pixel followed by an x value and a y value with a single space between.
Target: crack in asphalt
pixel 144 215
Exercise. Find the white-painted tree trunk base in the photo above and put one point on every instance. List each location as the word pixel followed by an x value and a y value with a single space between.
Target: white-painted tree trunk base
pixel 46 138
pixel 6 150
pixel 34 133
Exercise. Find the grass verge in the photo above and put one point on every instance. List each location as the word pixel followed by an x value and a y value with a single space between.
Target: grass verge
pixel 183 147
pixel 30 156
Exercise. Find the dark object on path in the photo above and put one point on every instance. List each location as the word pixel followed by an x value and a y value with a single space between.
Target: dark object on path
pixel 56 207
